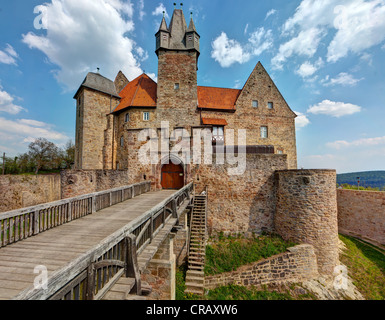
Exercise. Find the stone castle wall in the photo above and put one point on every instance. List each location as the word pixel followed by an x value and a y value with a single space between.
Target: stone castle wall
pixel 241 203
pixel 362 214
pixel 299 263
pixel 91 124
pixel 79 182
pixel 19 191
pixel 306 212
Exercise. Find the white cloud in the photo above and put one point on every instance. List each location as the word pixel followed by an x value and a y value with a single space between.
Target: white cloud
pixel 301 120
pixel 307 69
pixel 344 79
pixel 229 51
pixel 158 11
pixel 142 13
pixel 366 142
pixel 9 55
pixel 334 109
pixel 270 13
pixel 78 43
pixel 361 25
pixel 356 25
pixel 305 44
pixel 19 132
pixel 6 103
pixel 246 28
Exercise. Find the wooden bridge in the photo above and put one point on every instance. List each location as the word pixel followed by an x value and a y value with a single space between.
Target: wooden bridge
pixel 87 243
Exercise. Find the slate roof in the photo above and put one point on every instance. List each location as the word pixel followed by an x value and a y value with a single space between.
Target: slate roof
pixel 99 83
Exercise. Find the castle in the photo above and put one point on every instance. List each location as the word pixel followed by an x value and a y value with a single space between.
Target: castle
pixel 269 194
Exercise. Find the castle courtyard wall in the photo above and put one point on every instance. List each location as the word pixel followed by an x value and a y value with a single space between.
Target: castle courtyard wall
pixel 19 191
pixel 362 214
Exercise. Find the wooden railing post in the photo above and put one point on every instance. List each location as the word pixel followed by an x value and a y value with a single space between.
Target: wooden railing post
pixel 36 222
pixel 90 282
pixel 93 204
pixel 131 263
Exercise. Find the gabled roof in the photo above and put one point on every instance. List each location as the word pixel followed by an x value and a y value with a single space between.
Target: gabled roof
pixel 140 92
pixel 217 98
pixel 99 83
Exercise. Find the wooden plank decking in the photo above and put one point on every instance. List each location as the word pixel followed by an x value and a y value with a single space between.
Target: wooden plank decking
pixel 57 247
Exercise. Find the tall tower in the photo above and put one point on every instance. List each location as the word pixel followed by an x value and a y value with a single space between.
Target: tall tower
pixel 177 48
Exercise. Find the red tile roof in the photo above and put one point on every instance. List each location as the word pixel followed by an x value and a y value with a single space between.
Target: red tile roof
pixel 217 98
pixel 217 122
pixel 140 92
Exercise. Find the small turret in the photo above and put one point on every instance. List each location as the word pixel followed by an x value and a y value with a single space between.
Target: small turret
pixel 162 36
pixel 192 36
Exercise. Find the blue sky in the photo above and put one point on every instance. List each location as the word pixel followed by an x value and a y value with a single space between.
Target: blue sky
pixel 326 57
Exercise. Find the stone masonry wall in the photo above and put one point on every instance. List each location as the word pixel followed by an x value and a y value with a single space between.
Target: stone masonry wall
pixel 362 213
pixel 241 203
pixel 306 212
pixel 297 264
pixel 18 191
pixel 78 182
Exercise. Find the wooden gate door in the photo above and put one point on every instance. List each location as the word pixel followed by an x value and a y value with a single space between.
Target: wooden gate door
pixel 172 176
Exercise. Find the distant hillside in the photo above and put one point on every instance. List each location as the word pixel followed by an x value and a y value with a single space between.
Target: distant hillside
pixel 374 179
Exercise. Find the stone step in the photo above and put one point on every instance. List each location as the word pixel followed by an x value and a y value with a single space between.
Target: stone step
pixel 120 289
pixel 195 285
pixel 200 280
pixel 197 291
pixel 195 273
pixel 135 297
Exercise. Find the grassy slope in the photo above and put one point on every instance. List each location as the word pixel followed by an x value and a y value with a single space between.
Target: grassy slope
pixel 366 267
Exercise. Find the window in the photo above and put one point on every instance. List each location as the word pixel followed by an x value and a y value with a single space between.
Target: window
pixel 218 135
pixel 279 151
pixel 146 116
pixel 127 117
pixel 117 166
pixel 255 103
pixel 270 105
pixel 263 132
pixel 122 141
pixel 176 86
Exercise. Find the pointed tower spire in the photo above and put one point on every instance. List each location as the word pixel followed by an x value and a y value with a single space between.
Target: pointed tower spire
pixel 163 24
pixel 191 27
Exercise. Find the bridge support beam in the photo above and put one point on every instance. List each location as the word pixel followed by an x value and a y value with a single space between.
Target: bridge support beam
pixel 160 272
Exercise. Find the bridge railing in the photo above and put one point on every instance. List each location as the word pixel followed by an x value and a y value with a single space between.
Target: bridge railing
pixel 23 223
pixel 90 276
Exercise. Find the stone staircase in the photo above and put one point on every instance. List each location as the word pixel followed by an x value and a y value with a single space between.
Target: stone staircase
pixel 197 245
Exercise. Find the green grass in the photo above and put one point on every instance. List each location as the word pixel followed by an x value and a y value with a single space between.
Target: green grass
pixel 366 267
pixel 228 253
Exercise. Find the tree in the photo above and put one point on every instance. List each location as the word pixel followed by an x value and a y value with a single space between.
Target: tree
pixel 43 153
pixel 68 154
